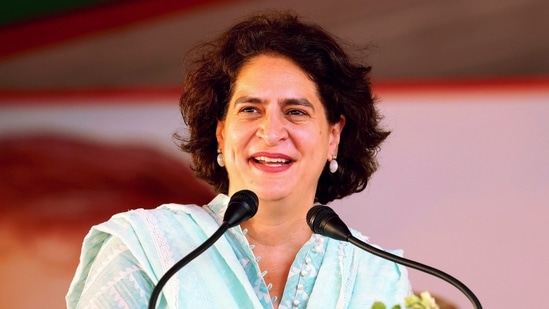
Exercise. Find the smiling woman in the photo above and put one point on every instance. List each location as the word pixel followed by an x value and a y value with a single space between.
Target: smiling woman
pixel 275 138
pixel 276 106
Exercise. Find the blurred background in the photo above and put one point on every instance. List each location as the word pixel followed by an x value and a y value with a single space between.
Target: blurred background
pixel 88 105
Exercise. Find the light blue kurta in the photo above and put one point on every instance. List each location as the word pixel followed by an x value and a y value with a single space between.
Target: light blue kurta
pixel 123 258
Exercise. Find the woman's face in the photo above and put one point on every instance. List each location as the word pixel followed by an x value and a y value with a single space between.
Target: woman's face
pixel 275 138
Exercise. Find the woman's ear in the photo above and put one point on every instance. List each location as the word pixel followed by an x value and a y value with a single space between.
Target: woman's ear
pixel 335 136
pixel 219 132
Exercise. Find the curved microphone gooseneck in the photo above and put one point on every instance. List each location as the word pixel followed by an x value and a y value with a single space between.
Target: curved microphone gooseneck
pixel 324 221
pixel 242 206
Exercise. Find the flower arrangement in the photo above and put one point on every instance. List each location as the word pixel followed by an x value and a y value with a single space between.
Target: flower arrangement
pixel 413 301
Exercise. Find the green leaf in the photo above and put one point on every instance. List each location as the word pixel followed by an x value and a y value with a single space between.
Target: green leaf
pixel 378 305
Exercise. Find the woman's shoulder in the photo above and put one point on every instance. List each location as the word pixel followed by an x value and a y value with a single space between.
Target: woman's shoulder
pixel 371 261
pixel 355 259
pixel 384 279
pixel 366 240
pixel 162 217
pixel 171 217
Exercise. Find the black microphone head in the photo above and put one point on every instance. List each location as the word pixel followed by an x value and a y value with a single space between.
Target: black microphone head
pixel 242 206
pixel 324 221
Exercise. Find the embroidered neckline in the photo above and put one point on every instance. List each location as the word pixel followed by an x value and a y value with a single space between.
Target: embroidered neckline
pixel 264 272
pixel 307 270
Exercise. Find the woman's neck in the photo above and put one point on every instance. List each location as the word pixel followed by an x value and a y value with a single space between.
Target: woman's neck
pixel 278 225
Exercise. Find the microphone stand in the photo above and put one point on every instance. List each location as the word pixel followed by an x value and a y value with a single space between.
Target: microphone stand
pixel 242 206
pixel 422 267
pixel 184 261
pixel 324 221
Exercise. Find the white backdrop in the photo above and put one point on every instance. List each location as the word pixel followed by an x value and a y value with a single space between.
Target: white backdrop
pixel 463 184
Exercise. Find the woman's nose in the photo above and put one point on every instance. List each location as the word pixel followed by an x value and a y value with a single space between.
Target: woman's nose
pixel 272 129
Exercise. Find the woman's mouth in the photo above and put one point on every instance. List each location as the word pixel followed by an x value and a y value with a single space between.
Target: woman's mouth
pixel 271 161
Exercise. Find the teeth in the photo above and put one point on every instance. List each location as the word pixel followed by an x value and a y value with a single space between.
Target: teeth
pixel 271 160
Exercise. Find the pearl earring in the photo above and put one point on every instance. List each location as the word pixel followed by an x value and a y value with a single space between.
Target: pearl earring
pixel 333 165
pixel 220 159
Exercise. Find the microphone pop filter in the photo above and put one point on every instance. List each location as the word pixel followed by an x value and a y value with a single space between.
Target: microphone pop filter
pixel 324 221
pixel 242 206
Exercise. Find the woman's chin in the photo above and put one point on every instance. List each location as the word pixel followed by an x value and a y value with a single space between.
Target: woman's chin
pixel 279 195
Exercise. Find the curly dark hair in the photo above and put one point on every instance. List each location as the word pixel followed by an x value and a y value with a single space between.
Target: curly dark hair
pixel 343 85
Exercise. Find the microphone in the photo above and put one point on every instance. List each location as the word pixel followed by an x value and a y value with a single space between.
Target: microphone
pixel 242 206
pixel 324 221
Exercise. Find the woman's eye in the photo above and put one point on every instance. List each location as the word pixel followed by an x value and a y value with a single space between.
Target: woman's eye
pixel 248 109
pixel 296 112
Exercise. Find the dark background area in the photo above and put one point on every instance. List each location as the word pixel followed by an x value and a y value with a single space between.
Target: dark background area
pixel 129 44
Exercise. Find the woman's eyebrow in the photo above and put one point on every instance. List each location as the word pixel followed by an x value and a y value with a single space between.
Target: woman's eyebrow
pixel 248 99
pixel 288 101
pixel 298 101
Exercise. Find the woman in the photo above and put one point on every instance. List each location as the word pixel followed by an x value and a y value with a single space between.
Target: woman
pixel 277 107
